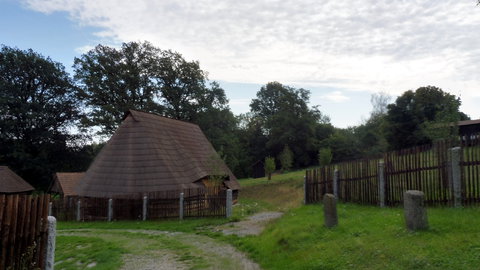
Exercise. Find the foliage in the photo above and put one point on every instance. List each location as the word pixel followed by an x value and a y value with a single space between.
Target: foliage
pixel 269 166
pixel 325 156
pixel 283 117
pixel 413 111
pixel 286 158
pixel 112 81
pixel 37 110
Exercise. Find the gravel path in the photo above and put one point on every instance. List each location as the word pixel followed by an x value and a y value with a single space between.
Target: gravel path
pixel 197 251
pixel 253 225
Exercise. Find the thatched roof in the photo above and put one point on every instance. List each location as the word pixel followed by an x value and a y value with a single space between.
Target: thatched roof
pixel 10 182
pixel 65 182
pixel 151 153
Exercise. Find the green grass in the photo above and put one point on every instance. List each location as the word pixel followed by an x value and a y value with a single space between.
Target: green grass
pixel 75 252
pixel 367 238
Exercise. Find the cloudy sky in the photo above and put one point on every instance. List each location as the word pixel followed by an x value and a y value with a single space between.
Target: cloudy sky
pixel 343 51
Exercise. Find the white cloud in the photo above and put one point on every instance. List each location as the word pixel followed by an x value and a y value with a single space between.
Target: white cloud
pixel 365 45
pixel 335 96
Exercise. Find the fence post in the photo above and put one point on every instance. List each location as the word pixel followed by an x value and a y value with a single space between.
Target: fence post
pixel 50 208
pixel 50 252
pixel 455 175
pixel 144 212
pixel 79 203
pixel 381 184
pixel 229 203
pixel 304 189
pixel 335 183
pixel 110 209
pixel 180 214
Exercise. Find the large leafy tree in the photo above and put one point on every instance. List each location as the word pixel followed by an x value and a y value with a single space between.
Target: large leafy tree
pixel 288 120
pixel 414 113
pixel 112 81
pixel 38 107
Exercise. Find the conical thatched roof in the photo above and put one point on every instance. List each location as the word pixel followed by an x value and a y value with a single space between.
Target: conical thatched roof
pixel 151 153
pixel 10 182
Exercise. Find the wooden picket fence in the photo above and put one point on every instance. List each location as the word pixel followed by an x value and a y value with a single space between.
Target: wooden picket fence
pixel 201 202
pixel 427 168
pixel 23 231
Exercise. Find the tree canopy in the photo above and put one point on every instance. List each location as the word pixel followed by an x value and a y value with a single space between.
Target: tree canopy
pixel 408 116
pixel 38 108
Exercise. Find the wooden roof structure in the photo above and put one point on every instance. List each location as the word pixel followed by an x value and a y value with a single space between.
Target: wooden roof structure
pixel 10 182
pixel 150 153
pixel 65 182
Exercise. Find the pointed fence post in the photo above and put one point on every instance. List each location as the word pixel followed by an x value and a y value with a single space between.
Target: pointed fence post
pixel 335 183
pixel 79 204
pixel 180 214
pixel 50 252
pixel 229 203
pixel 381 184
pixel 144 212
pixel 110 209
pixel 455 175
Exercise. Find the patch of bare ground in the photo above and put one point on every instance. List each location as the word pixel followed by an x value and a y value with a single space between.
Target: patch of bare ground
pixel 253 225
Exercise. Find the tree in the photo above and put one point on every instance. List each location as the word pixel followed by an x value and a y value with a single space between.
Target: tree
pixel 286 118
pixel 286 158
pixel 269 166
pixel 408 118
pixel 112 81
pixel 325 156
pixel 38 107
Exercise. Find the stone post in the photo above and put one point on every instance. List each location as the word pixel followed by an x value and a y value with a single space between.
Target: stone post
pixel 144 209
pixel 415 212
pixel 50 252
pixel 335 183
pixel 330 210
pixel 50 208
pixel 180 214
pixel 110 209
pixel 229 203
pixel 304 189
pixel 455 175
pixel 381 184
pixel 79 208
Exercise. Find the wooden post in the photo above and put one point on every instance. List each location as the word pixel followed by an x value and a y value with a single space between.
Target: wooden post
pixel 79 203
pixel 335 183
pixel 110 209
pixel 304 189
pixel 455 175
pixel 144 212
pixel 381 184
pixel 229 203
pixel 180 214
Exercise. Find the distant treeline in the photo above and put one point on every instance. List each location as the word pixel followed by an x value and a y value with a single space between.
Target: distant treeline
pixel 50 120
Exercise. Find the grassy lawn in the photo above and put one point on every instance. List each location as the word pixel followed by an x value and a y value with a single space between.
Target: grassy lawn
pixel 367 238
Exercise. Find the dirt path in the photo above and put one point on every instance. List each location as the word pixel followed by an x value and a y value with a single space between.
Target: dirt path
pixel 253 225
pixel 159 250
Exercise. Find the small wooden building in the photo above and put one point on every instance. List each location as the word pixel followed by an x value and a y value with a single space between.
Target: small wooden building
pixel 258 169
pixel 151 153
pixel 11 183
pixel 64 183
pixel 469 127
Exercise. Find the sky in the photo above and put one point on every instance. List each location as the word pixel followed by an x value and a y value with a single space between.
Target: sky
pixel 342 51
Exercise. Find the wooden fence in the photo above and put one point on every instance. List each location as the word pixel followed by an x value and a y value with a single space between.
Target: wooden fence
pixel 202 202
pixel 429 168
pixel 23 231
